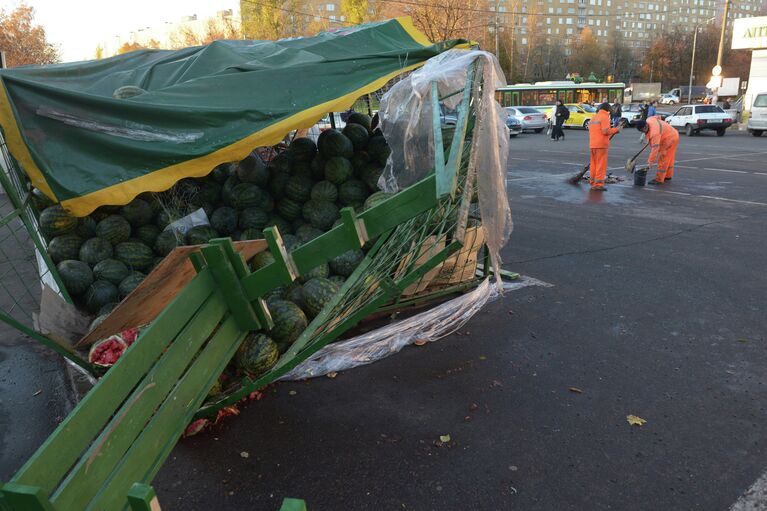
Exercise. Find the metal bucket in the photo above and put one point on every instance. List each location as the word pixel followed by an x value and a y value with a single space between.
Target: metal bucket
pixel 640 177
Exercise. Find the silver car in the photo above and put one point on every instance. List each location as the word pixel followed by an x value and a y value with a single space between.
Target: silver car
pixel 529 117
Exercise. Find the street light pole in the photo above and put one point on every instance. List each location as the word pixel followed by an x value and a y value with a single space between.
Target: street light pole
pixel 721 36
pixel 692 65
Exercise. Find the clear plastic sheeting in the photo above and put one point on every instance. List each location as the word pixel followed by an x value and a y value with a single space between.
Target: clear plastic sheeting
pixel 407 123
pixel 427 326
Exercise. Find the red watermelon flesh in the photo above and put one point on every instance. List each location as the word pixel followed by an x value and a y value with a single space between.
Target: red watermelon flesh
pixel 105 353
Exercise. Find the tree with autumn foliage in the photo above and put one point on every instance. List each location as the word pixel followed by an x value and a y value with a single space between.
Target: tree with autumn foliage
pixel 133 46
pixel 588 55
pixel 273 19
pixel 355 11
pixel 216 29
pixel 23 41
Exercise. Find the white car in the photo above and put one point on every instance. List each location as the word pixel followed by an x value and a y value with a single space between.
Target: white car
pixel 529 117
pixel 757 121
pixel 695 118
pixel 669 99
pixel 630 113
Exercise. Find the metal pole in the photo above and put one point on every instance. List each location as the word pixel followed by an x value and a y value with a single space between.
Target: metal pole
pixel 692 65
pixel 497 6
pixel 724 28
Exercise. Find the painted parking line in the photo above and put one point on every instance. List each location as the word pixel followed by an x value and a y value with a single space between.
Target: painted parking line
pixel 760 173
pixel 713 197
pixel 727 170
pixel 754 498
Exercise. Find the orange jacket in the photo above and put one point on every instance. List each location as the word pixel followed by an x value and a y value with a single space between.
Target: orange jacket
pixel 659 134
pixel 600 130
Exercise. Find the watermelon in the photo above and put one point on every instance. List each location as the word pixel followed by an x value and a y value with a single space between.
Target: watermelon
pixel 257 354
pixel 359 161
pixel 163 219
pixel 307 233
pixel 321 214
pixel 129 283
pixel 111 270
pixel 301 168
pixel 167 241
pixel 290 242
pixel 148 234
pixel 353 193
pixel 277 182
pixel 302 149
pixel 283 226
pixel 186 188
pixel 298 223
pixel 200 234
pixel 289 321
pixel 317 293
pixel 54 221
pixel 66 246
pixel 86 227
pixel 224 220
pixel 378 149
pixel 106 352
pixel 319 271
pixel 107 309
pixel 40 200
pixel 209 192
pixel 361 119
pixel 325 190
pixel 253 218
pixel 295 294
pixel 137 212
pixel 376 199
pixel 100 293
pixel 76 276
pixel 151 199
pixel 289 208
pixel 248 195
pixel 337 279
pixel 370 174
pixel 251 234
pixel 318 168
pixel 280 163
pixel 227 190
pixel 346 263
pixel 253 170
pixel 114 228
pixel 221 173
pixel 358 135
pixel 127 91
pixel 95 250
pixel 276 294
pixel 298 188
pixel 134 254
pixel 334 143
pixel 261 260
pixel 338 170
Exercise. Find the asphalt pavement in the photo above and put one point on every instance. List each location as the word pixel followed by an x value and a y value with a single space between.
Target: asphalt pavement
pixel 656 309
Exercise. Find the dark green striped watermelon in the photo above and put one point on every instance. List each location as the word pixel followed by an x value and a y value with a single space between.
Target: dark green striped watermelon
pixel 251 234
pixel 227 190
pixel 359 118
pixel 359 162
pixel 248 195
pixel 321 214
pixel 66 246
pixel 100 293
pixel 130 283
pixel 334 143
pixel 346 263
pixel 76 276
pixel 224 220
pixel 299 188
pixel 86 227
pixel 306 233
pixel 167 241
pixel 148 234
pixel 337 279
pixel 282 225
pixel 134 254
pixel 277 182
pixel 111 270
pixel 106 309
pixel 319 271
pixel 302 149
pixel 137 212
pixel 376 199
pixel 221 173
pixel 318 168
pixel 209 192
pixel 325 190
pixel 289 208
pixel 353 193
pixel 370 174
pixel 261 260
pixel 253 170
pixel 295 294
pixel 317 293
pixel 358 135
pixel 280 163
pixel 290 241
pixel 54 221
pixel 163 219
pixel 289 321
pixel 253 218
pixel 114 228
pixel 257 354
pixel 200 234
pixel 40 200
pixel 338 170
pixel 95 250
pixel 378 149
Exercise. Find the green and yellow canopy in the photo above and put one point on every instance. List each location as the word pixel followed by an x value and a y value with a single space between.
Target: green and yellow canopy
pixel 203 106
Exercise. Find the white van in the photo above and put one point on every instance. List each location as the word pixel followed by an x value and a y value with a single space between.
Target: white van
pixel 757 122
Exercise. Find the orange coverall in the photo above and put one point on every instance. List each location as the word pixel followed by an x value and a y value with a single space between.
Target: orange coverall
pixel 664 140
pixel 599 142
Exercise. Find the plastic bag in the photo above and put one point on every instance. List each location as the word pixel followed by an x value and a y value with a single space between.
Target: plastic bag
pixel 193 219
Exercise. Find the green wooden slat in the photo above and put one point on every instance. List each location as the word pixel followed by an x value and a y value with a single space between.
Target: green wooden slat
pixel 62 449
pixel 283 265
pixel 352 227
pixel 227 281
pixel 97 463
pixel 461 125
pixel 408 203
pixel 322 249
pixel 289 504
pixel 235 258
pixel 198 261
pixel 141 497
pixel 152 447
pixel 21 497
pixel 443 181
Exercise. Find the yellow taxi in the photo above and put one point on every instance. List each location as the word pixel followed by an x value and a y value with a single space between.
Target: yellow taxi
pixel 580 114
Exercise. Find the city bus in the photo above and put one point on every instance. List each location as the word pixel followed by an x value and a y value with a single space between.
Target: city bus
pixel 547 93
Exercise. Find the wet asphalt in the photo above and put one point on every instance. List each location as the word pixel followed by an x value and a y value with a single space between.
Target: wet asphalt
pixel 657 309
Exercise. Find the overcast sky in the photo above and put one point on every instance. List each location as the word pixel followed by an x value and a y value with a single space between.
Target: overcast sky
pixel 77 26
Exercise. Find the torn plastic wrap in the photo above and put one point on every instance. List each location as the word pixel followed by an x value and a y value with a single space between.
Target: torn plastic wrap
pixel 406 120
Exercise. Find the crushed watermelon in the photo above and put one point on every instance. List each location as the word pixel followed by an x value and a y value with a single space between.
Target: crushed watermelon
pixel 105 353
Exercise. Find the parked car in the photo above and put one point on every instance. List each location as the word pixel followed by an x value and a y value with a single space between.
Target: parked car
pixel 757 122
pixel 580 114
pixel 448 116
pixel 630 113
pixel 669 99
pixel 696 118
pixel 514 125
pixel 530 118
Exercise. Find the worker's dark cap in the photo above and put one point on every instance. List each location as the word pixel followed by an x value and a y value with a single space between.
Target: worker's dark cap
pixel 640 124
pixel 605 106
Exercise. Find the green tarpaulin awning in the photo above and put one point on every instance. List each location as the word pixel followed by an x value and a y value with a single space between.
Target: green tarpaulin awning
pixel 204 106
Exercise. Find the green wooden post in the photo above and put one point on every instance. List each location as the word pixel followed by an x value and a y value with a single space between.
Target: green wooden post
pixel 456 148
pixel 142 497
pixel 26 498
pixel 226 279
pixel 354 227
pixel 289 504
pixel 443 183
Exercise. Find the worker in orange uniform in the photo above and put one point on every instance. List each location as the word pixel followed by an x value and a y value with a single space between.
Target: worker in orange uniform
pixel 600 133
pixel 663 140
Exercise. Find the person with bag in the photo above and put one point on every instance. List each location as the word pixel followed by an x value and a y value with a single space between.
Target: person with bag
pixel 561 114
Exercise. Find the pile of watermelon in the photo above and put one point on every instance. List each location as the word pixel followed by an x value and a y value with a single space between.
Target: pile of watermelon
pixel 300 188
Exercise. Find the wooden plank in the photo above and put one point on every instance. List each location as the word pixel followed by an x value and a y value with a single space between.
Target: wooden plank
pixel 403 206
pixel 62 449
pixel 157 290
pixel 152 447
pixel 462 266
pixel 227 281
pixel 107 450
pixel 26 498
pixel 142 497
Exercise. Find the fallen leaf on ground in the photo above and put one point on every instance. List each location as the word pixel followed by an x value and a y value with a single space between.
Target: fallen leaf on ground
pixel 575 389
pixel 292 392
pixel 244 454
pixel 444 438
pixel 741 340
pixel 332 374
pixel 635 421
pixel 482 357
pixel 420 342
